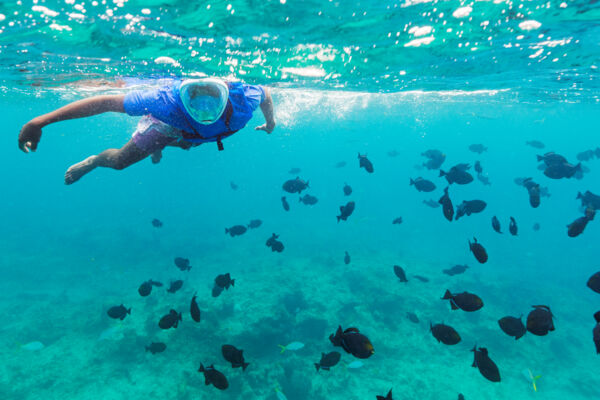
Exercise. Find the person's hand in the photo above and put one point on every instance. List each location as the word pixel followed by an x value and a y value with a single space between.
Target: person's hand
pixel 268 127
pixel 29 137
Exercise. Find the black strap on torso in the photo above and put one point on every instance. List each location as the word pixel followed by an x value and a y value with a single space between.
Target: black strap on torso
pixel 196 135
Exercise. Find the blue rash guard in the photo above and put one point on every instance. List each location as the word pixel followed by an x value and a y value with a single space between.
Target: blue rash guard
pixel 165 105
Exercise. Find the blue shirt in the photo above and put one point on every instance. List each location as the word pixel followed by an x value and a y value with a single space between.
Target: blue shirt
pixel 165 104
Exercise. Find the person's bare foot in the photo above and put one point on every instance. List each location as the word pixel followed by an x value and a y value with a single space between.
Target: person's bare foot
pixel 76 171
pixel 156 156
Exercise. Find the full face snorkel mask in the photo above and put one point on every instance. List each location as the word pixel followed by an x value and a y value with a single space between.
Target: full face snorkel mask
pixel 204 99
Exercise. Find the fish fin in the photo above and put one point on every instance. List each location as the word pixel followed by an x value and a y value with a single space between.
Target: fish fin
pixel 282 348
pixel 317 366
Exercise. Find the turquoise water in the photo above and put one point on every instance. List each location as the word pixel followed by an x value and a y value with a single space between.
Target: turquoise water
pixel 69 253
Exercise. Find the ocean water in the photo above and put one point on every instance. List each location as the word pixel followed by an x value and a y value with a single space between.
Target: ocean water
pixel 346 78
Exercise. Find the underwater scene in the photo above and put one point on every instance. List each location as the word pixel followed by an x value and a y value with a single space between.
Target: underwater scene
pixel 404 206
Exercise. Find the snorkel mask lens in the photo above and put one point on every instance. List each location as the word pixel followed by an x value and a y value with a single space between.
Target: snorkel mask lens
pixel 204 99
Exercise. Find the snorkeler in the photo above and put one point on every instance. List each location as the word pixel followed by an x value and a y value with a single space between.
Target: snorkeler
pixel 181 114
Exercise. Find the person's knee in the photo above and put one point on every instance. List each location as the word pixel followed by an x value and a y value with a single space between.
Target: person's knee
pixel 119 162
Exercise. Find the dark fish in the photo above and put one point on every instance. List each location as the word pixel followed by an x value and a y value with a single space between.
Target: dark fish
pixel 255 223
pixel 412 317
pixel 295 185
pixel 585 155
pixel 346 258
pixel 536 144
pixel 182 263
pixel 175 286
pixel 461 396
pixel 486 366
pixel 363 162
pixel 387 397
pixel 496 224
pixel 346 211
pixel 536 226
pixel 397 221
pixel 236 230
pixel 596 331
pixel 156 347
pixel 551 158
pixel 309 200
pixel 170 320
pixel 399 271
pixel 456 270
pixel 539 321
pixel 393 153
pixel 274 244
pixel 294 171
pixel 224 281
pixel 589 199
pixel 214 377
pixel 577 227
pixel 118 312
pixel 436 159
pixel 216 291
pixel 234 356
pixel 285 204
pixel 194 309
pixel 534 192
pixel 477 148
pixel 560 171
pixel 484 179
pixel 421 278
pixel 422 185
pixel 353 342
pixel 328 360
pixel 465 301
pixel 594 282
pixel 512 326
pixel 447 206
pixel 347 190
pixel 478 251
pixel 340 164
pixel 431 203
pixel 457 175
pixel 445 334
pixel 233 185
pixel 470 207
pixel 478 168
pixel 145 289
pixel 157 223
pixel 512 228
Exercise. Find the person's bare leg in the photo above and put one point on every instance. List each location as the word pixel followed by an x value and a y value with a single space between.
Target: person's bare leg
pixel 110 158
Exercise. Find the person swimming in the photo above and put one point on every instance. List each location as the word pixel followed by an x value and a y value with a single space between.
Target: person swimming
pixel 181 114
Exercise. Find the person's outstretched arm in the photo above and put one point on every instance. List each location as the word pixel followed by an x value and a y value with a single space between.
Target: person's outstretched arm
pixel 267 109
pixel 31 132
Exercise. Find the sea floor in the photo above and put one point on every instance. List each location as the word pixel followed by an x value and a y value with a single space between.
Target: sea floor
pixel 276 299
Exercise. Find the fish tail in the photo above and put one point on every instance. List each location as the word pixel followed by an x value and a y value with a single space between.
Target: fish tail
pixel 338 219
pixel 244 366
pixel 447 295
pixel 540 158
pixel 226 230
pixel 579 196
pixel 317 366
pixel 282 348
pixel 453 305
pixel 129 310
pixel 147 348
pixel 442 173
pixel 232 282
pixel 411 181
pixel 201 369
